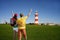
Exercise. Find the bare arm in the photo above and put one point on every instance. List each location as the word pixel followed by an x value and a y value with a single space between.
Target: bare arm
pixel 29 12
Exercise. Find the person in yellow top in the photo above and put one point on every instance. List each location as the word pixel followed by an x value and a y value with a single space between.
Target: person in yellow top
pixel 21 22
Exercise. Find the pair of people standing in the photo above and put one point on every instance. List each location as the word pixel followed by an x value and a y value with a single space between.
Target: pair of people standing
pixel 19 25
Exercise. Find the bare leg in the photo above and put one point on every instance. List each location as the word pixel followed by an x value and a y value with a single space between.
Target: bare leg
pixel 14 35
pixel 19 35
pixel 24 34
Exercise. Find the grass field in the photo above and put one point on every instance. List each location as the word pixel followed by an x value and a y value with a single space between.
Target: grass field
pixel 34 32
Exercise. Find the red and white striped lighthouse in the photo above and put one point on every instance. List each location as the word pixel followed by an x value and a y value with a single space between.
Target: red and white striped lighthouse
pixel 36 17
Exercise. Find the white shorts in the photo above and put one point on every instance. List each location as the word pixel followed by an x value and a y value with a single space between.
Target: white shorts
pixel 15 28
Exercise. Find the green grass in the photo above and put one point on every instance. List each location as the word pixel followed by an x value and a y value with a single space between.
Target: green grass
pixel 34 32
pixel 5 32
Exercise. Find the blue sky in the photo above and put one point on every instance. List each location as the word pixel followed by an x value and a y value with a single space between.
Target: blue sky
pixel 48 10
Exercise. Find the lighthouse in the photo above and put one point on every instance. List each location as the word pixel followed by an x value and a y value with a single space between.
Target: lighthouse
pixel 36 17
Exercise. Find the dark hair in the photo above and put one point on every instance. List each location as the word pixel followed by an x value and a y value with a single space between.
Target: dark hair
pixel 21 15
pixel 15 17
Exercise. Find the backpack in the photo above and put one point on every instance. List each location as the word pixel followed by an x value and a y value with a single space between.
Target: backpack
pixel 12 22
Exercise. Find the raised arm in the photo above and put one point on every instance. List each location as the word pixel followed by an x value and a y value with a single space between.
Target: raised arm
pixel 29 12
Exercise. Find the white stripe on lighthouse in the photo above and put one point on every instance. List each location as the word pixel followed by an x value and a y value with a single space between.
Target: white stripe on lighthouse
pixel 36 21
pixel 36 17
pixel 36 14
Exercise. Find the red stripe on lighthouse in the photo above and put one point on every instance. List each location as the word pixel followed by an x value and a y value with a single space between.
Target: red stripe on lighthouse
pixel 36 19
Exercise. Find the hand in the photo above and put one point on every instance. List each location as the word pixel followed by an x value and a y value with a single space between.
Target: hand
pixel 29 12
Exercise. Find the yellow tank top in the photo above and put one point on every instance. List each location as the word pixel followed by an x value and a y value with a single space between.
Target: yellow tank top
pixel 22 22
